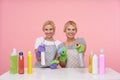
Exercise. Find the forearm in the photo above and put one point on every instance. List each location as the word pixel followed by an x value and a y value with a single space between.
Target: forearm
pixel 62 64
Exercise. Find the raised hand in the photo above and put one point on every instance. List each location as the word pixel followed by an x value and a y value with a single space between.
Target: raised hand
pixel 62 54
pixel 80 48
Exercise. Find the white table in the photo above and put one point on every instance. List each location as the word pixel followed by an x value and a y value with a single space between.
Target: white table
pixel 61 74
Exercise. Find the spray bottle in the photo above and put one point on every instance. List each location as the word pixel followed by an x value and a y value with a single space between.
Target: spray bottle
pixel 21 63
pixel 13 62
pixel 80 49
pixel 90 62
pixel 95 64
pixel 29 57
pixel 101 62
pixel 42 49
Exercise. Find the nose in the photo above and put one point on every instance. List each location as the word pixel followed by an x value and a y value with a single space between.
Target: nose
pixel 48 31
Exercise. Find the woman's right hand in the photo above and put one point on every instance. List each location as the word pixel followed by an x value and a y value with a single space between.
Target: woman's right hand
pixel 37 57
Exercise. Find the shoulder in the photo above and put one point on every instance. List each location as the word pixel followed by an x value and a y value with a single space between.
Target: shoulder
pixel 81 40
pixel 57 43
pixel 40 39
pixel 61 45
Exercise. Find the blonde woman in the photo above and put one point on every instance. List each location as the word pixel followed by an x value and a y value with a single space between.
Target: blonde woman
pixel 49 42
pixel 72 59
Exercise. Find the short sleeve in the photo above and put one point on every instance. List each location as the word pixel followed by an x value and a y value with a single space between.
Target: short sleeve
pixel 60 45
pixel 81 41
pixel 38 42
pixel 57 43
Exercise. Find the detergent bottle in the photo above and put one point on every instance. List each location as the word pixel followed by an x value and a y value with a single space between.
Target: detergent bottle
pixel 42 54
pixel 29 57
pixel 90 62
pixel 95 64
pixel 80 49
pixel 21 63
pixel 101 62
pixel 14 62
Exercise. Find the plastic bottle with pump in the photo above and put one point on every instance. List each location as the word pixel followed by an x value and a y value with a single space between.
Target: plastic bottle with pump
pixel 29 57
pixel 95 64
pixel 21 63
pixel 101 62
pixel 14 62
pixel 90 62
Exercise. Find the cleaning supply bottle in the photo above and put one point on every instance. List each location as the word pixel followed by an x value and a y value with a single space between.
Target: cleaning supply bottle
pixel 80 49
pixel 90 62
pixel 21 63
pixel 29 57
pixel 14 62
pixel 95 64
pixel 42 54
pixel 101 62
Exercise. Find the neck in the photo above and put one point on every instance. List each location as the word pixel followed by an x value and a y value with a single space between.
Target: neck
pixel 49 39
pixel 70 39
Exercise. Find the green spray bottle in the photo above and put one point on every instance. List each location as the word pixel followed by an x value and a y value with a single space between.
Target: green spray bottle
pixel 13 62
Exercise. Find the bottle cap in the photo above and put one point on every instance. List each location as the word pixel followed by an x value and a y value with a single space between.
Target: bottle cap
pixel 91 53
pixel 20 53
pixel 14 52
pixel 102 51
pixel 29 52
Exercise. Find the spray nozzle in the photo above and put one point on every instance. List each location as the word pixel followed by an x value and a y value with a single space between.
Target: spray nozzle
pixel 102 50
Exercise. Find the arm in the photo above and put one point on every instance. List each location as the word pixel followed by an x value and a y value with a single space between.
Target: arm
pixel 63 64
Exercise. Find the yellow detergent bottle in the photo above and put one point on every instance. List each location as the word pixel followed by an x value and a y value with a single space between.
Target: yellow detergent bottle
pixel 29 62
pixel 90 62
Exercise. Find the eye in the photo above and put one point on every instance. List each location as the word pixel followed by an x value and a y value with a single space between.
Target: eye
pixel 46 29
pixel 50 29
pixel 73 29
pixel 68 29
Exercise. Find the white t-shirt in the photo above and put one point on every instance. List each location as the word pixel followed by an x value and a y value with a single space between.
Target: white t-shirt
pixel 42 40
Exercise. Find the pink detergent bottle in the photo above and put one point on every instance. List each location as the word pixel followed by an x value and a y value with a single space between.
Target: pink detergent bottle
pixel 101 62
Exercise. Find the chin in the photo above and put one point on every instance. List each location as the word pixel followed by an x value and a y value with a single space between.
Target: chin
pixel 49 36
pixel 71 37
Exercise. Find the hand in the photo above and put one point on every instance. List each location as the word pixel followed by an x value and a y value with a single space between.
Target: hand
pixel 40 49
pixel 54 64
pixel 80 48
pixel 62 54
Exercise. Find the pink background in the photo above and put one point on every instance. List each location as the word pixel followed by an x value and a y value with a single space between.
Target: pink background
pixel 98 22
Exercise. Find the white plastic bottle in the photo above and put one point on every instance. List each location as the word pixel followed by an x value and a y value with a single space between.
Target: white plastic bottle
pixel 42 58
pixel 101 62
pixel 43 54
pixel 95 64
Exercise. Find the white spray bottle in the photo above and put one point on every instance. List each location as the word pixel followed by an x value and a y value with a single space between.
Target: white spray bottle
pixel 95 64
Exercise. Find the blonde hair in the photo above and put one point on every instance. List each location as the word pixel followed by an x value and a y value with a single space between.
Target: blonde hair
pixel 49 22
pixel 68 23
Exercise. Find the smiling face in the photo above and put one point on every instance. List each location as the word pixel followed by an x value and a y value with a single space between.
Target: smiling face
pixel 70 28
pixel 49 31
pixel 70 31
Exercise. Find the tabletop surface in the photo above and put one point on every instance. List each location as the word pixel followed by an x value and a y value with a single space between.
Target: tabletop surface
pixel 61 74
